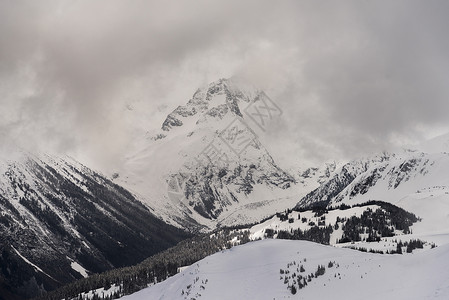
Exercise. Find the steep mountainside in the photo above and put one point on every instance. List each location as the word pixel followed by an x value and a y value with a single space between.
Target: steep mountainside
pixel 60 221
pixel 389 177
pixel 415 180
pixel 206 165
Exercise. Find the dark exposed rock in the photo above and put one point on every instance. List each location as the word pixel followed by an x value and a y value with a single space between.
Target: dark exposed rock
pixel 55 212
pixel 171 121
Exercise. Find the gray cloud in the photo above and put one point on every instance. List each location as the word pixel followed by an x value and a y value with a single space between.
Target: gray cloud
pixel 352 77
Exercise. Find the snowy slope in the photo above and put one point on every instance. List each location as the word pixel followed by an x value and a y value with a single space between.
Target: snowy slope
pixel 253 271
pixel 61 221
pixel 416 180
pixel 207 166
pixel 374 226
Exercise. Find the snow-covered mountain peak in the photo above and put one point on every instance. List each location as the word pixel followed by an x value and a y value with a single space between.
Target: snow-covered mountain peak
pixel 213 101
pixel 209 151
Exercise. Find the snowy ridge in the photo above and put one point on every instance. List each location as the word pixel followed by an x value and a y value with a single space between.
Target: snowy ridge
pixel 60 221
pixel 268 269
pixel 413 180
pixel 374 227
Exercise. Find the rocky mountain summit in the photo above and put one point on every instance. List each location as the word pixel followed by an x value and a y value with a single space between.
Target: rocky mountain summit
pixel 211 160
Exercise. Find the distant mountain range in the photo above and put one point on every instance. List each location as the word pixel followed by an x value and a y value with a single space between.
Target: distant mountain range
pixel 415 179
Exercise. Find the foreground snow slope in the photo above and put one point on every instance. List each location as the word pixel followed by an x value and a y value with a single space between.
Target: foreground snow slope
pixel 252 271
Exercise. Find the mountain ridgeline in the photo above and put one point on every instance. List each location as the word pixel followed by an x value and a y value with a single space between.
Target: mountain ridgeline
pixel 208 152
pixel 61 221
pixel 390 177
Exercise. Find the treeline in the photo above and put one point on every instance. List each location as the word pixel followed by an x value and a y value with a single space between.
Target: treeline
pixel 377 224
pixel 409 247
pixel 68 215
pixel 381 222
pixel 154 269
pixel 315 234
pixel 400 218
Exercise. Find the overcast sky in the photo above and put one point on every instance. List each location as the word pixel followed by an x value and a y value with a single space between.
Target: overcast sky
pixel 352 77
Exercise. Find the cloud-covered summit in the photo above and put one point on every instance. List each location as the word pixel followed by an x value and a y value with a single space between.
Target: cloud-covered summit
pixel 351 77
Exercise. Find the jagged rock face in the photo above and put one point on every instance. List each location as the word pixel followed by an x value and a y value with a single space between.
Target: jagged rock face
pixel 56 214
pixel 328 190
pixel 201 103
pixel 387 177
pixel 209 149
pixel 170 122
pixel 213 186
pixel 211 190
pixel 333 189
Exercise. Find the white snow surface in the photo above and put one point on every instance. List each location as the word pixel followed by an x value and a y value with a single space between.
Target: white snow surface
pixel 178 150
pixel 411 179
pixel 423 189
pixel 252 271
pixel 77 267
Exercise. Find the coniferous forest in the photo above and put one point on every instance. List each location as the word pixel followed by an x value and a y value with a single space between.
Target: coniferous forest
pixel 381 222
